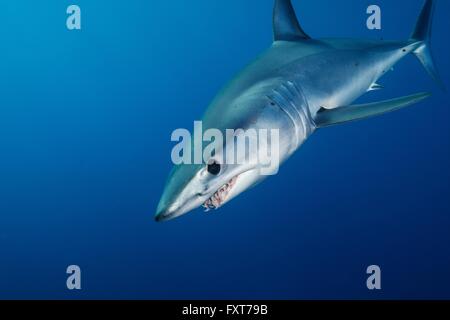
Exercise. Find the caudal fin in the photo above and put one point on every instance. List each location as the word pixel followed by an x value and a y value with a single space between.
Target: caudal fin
pixel 422 33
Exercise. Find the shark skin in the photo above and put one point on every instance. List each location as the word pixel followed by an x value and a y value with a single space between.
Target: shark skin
pixel 298 85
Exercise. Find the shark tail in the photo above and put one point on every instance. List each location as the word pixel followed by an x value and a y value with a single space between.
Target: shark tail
pixel 422 34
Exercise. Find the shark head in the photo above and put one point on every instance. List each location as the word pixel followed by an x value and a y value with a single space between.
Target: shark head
pixel 250 134
pixel 209 185
pixel 239 147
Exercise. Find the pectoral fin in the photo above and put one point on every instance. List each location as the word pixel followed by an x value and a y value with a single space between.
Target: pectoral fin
pixel 325 118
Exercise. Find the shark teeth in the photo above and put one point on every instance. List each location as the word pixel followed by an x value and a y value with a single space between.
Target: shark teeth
pixel 220 196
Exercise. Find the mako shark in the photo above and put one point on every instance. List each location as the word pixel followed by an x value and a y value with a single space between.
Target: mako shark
pixel 298 85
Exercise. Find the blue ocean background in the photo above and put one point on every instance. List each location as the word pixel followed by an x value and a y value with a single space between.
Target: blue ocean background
pixel 85 124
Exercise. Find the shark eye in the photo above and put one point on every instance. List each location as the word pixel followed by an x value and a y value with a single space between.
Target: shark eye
pixel 214 168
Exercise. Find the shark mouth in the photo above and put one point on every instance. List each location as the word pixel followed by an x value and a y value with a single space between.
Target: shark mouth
pixel 220 196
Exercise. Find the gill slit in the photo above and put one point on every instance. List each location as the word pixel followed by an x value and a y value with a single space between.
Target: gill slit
pixel 290 99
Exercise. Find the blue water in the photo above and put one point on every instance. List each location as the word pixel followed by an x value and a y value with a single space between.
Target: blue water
pixel 85 124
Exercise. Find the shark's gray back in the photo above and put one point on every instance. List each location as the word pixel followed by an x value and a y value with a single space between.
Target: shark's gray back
pixel 317 67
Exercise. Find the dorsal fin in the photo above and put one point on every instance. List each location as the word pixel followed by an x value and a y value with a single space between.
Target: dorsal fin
pixel 285 23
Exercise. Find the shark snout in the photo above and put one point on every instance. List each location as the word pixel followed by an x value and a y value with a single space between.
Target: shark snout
pixel 168 211
pixel 171 207
pixel 165 214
